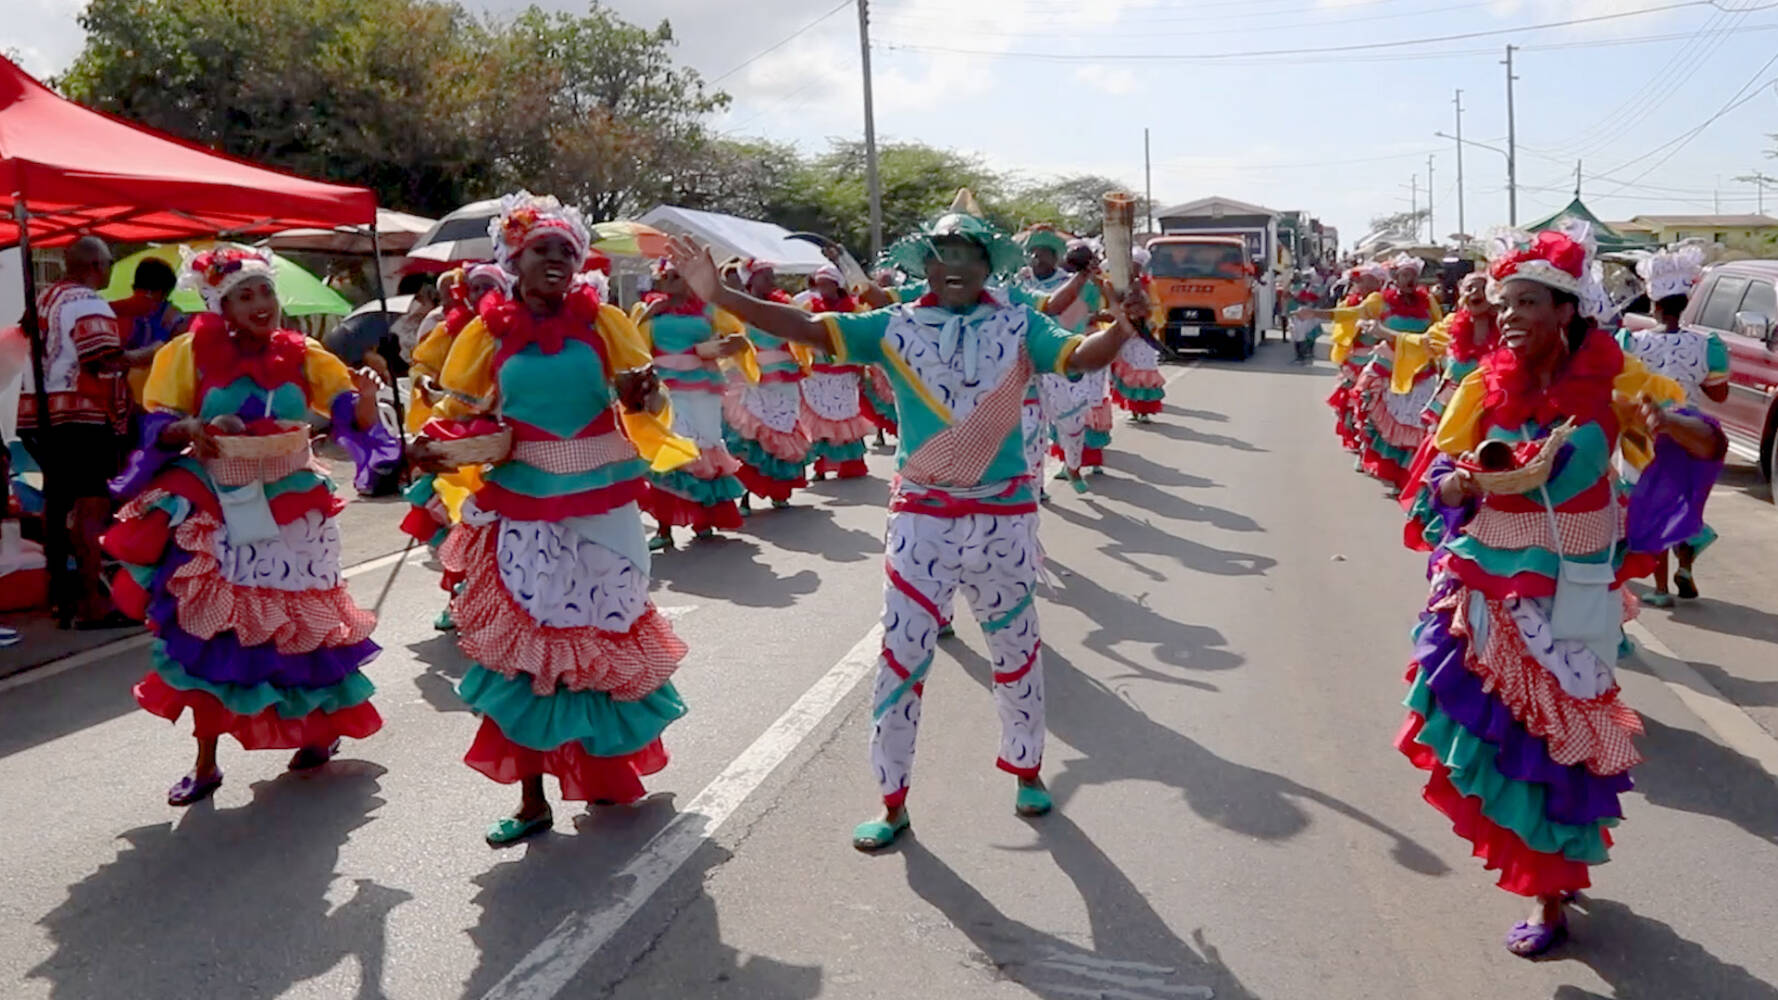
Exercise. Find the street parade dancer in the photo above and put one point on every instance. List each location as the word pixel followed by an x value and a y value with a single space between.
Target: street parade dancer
pixel 572 662
pixel 1064 402
pixel 765 431
pixel 689 337
pixel 1514 710
pixel 1699 361
pixel 436 500
pixel 963 512
pixel 833 392
pixel 1459 342
pixel 228 542
pixel 1351 343
pixel 1136 382
pixel 1397 380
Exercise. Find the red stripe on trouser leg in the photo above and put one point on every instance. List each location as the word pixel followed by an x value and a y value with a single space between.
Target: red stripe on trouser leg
pixel 896 799
pixel 1013 676
pixel 1023 772
pixel 926 604
pixel 892 663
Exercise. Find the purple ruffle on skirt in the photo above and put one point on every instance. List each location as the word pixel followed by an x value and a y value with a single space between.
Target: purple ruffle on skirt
pixel 147 460
pixel 223 660
pixel 1667 506
pixel 1575 796
pixel 373 451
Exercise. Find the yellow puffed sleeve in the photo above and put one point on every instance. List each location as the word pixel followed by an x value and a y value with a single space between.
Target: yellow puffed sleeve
pixel 1413 352
pixel 1459 431
pixel 651 433
pixel 468 374
pixel 1372 308
pixel 727 324
pixel 1438 336
pixel 1634 382
pixel 432 350
pixel 173 379
pixel 327 375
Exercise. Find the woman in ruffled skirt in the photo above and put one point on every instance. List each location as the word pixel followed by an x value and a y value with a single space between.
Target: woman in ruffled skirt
pixel 765 431
pixel 833 408
pixel 573 663
pixel 228 543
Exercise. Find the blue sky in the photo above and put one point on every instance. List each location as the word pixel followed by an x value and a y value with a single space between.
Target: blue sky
pixel 1049 86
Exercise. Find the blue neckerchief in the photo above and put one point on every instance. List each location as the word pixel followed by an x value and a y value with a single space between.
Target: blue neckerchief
pixel 957 330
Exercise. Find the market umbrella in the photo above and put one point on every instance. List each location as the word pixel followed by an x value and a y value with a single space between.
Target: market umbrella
pixel 462 235
pixel 299 291
pixel 623 238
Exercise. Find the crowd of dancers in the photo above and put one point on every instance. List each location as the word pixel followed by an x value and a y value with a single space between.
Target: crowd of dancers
pixel 546 423
pixel 1546 450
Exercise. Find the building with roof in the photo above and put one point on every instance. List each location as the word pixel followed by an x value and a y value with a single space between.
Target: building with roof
pixel 1751 233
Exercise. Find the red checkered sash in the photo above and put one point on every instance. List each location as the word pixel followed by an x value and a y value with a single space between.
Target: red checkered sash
pixel 246 471
pixel 1583 532
pixel 567 458
pixel 960 454
pixel 773 356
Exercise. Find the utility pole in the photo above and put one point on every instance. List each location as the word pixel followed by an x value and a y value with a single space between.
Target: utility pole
pixel 1759 181
pixel 1147 185
pixel 1414 197
pixel 1431 230
pixel 1462 226
pixel 1576 180
pixel 870 135
pixel 1512 147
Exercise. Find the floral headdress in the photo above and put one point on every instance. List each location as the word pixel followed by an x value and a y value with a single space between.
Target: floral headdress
pixel 747 267
pixel 1408 261
pixel 1559 259
pixel 215 272
pixel 1673 271
pixel 493 272
pixel 831 272
pixel 525 218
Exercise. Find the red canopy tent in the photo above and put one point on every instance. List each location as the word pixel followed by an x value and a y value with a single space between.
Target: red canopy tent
pixel 67 171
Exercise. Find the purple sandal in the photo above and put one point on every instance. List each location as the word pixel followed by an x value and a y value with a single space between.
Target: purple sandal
pixel 1528 940
pixel 309 758
pixel 192 788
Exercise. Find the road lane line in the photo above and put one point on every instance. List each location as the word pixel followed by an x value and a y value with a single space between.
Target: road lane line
pixel 1727 720
pixel 560 956
pixel 130 643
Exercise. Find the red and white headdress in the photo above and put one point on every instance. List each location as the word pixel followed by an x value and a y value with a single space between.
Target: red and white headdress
pixel 215 272
pixel 1562 260
pixel 492 272
pixel 1409 262
pixel 525 218
pixel 831 272
pixel 747 267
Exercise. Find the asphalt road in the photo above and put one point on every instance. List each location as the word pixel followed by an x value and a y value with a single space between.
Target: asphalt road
pixel 1226 632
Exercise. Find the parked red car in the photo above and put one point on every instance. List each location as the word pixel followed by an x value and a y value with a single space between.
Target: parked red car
pixel 1738 301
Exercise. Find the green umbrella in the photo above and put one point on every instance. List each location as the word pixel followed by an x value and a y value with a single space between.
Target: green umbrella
pixel 299 291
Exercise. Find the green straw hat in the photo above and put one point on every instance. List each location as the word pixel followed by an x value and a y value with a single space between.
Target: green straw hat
pixel 965 219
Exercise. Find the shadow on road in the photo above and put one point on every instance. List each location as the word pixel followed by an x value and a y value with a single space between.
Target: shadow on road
pixel 1728 618
pixel 814 531
pixel 1132 536
pixel 52 707
pixel 1118 619
pixel 1122 743
pixel 1180 432
pixel 1207 416
pixel 1644 959
pixel 1135 955
pixel 1695 774
pixel 1147 497
pixel 229 903
pixel 730 569
pixel 1149 471
pixel 445 666
pixel 867 491
pixel 558 875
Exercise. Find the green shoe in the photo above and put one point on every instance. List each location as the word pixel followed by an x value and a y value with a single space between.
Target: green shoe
pixel 1658 600
pixel 659 543
pixel 780 504
pixel 876 834
pixel 510 829
pixel 1080 486
pixel 444 622
pixel 1032 801
pixel 1060 474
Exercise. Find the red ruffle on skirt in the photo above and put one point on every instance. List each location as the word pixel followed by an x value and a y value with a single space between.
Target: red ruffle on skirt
pixel 140 540
pixel 674 511
pixel 851 468
pixel 1091 457
pixel 1377 464
pixel 1148 407
pixel 761 485
pixel 1522 870
pixel 129 596
pixel 584 778
pixel 265 731
pixel 421 523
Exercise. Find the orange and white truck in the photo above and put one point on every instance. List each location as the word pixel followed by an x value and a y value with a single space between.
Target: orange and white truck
pixel 1203 291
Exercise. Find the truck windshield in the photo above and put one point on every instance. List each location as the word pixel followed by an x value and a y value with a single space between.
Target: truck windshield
pixel 1196 260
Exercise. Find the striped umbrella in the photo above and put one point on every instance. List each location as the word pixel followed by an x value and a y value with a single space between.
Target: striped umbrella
pixel 622 238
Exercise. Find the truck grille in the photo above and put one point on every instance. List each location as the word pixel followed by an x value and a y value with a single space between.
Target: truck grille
pixel 1191 315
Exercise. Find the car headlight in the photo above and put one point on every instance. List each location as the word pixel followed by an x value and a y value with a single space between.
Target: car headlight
pixel 1235 311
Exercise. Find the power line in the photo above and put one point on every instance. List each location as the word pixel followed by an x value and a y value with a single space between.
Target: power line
pixel 780 43
pixel 1680 142
pixel 1359 47
pixel 1123 30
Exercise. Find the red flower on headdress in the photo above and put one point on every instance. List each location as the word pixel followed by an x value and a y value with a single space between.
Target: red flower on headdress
pixel 1556 248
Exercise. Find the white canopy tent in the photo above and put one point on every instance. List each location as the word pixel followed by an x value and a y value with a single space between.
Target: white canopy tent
pixel 731 236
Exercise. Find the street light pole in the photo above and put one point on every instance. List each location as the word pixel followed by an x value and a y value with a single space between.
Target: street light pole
pixel 1431 230
pixel 1759 180
pixel 870 135
pixel 1512 147
pixel 1462 227
pixel 1147 185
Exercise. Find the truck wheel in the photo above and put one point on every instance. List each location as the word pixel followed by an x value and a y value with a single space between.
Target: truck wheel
pixel 1249 342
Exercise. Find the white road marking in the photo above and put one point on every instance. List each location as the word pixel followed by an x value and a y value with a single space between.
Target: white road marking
pixel 1733 726
pixel 560 956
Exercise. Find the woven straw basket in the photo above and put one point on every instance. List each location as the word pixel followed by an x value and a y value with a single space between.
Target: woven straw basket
pixel 482 449
pixel 259 447
pixel 1532 474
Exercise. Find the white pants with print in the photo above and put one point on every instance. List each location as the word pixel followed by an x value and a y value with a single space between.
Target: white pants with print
pixel 993 559
pixel 1065 406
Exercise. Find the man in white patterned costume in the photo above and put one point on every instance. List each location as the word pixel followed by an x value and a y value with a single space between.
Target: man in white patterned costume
pixel 1065 402
pixel 963 509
